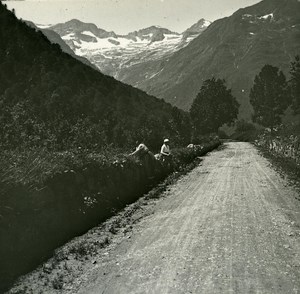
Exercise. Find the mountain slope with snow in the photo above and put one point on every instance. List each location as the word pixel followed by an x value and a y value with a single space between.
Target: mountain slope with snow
pixel 113 54
pixel 55 38
pixel 234 48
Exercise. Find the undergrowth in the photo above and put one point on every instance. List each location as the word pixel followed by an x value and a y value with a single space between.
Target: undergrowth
pixel 34 166
pixel 69 261
pixel 286 167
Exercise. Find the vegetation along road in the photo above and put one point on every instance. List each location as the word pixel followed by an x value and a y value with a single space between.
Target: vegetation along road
pixel 232 225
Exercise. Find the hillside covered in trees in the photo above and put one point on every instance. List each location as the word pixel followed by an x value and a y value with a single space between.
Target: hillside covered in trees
pixel 49 99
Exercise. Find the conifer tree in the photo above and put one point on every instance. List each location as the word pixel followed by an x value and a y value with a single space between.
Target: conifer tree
pixel 269 96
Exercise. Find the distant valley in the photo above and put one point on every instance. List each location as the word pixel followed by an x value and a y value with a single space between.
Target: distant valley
pixel 173 66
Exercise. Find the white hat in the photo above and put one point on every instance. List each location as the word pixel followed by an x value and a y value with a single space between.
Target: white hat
pixel 166 140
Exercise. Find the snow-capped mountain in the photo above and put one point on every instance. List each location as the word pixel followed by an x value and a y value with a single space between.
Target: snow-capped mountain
pixel 196 29
pixel 56 39
pixel 112 53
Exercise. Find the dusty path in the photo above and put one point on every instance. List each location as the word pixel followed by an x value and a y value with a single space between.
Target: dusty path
pixel 232 225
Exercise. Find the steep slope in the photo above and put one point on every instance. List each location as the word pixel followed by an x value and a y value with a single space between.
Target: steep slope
pixel 56 39
pixel 50 99
pixel 113 53
pixel 53 37
pixel 234 48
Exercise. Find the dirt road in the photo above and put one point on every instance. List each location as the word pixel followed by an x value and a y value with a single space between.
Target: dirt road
pixel 232 225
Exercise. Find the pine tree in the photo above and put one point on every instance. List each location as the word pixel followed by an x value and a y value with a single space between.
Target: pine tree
pixel 269 96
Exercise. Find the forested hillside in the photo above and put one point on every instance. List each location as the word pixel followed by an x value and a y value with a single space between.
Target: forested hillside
pixel 50 99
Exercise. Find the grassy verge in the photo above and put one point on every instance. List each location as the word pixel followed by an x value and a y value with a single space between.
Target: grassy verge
pixel 34 166
pixel 74 258
pixel 286 167
pixel 48 198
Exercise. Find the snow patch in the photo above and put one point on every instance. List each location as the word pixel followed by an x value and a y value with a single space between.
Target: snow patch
pixel 44 26
pixel 125 51
pixel 247 15
pixel 126 47
pixel 69 36
pixel 271 15
pixel 206 23
pixel 154 75
pixel 88 33
pixel 148 35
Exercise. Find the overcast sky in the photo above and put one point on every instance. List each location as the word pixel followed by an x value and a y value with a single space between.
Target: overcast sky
pixel 123 16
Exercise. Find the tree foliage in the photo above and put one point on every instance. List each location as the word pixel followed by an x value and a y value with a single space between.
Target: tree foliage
pixel 269 96
pixel 213 107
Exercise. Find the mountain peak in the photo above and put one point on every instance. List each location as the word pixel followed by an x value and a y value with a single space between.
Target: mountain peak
pixel 76 26
pixel 153 33
pixel 155 29
pixel 74 21
pixel 196 28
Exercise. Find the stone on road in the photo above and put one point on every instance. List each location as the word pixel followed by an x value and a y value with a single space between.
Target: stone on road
pixel 232 225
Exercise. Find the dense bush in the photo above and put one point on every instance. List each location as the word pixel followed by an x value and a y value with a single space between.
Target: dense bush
pixel 283 141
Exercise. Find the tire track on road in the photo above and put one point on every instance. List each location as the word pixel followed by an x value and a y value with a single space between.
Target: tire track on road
pixel 220 229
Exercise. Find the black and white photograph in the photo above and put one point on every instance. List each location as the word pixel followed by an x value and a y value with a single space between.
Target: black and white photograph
pixel 149 146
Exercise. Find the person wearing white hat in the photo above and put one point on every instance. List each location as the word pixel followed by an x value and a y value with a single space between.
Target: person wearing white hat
pixel 165 149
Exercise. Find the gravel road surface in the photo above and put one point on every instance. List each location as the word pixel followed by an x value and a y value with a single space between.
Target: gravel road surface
pixel 232 225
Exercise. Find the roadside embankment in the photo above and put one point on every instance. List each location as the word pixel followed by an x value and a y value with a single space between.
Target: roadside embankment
pixel 283 150
pixel 38 216
pixel 230 225
pixel 283 146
